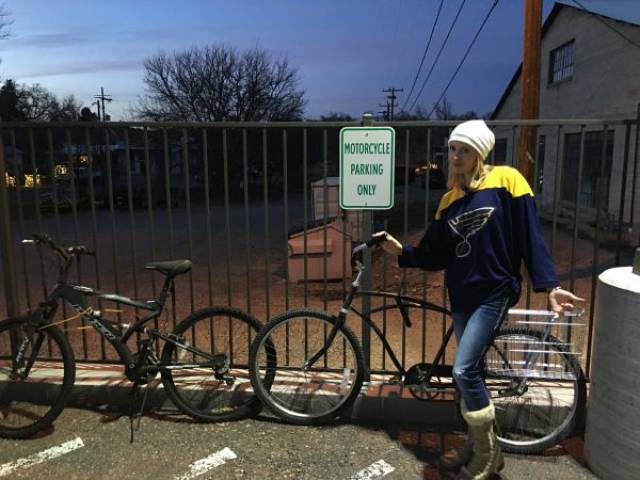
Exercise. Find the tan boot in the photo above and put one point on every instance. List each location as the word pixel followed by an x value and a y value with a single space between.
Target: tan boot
pixel 487 458
pixel 455 458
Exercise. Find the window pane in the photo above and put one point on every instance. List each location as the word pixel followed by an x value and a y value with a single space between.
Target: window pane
pixel 591 168
pixel 562 60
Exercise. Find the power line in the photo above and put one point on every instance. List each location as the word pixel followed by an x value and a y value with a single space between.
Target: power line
pixel 438 56
pixel 607 24
pixel 495 3
pixel 424 54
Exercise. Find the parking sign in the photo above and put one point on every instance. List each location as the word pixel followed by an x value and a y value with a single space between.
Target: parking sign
pixel 367 164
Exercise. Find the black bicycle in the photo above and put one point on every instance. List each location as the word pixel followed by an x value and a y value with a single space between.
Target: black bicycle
pixel 314 368
pixel 203 363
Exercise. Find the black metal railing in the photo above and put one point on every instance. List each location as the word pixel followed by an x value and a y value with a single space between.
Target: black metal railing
pixel 227 195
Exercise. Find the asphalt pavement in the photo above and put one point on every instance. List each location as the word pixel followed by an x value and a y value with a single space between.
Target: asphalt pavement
pixel 387 437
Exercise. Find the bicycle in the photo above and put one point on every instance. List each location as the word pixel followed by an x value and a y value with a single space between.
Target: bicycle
pixel 202 365
pixel 314 368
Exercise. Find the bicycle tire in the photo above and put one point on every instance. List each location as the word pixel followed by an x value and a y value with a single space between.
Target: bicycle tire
pixel 29 405
pixel 336 380
pixel 203 393
pixel 521 424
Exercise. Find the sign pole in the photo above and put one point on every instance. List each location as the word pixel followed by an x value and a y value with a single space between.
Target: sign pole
pixel 367 218
pixel 367 165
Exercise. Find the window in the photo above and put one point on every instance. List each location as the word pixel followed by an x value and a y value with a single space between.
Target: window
pixel 500 152
pixel 592 168
pixel 561 62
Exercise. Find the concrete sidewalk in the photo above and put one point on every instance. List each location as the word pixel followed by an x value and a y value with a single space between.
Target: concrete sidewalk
pixel 382 406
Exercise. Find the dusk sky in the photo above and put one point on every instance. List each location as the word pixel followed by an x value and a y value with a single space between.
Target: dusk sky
pixel 346 52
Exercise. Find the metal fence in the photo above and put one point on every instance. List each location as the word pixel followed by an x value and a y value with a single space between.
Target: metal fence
pixel 232 196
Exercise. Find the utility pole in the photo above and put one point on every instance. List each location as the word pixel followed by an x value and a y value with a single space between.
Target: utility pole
pixel 97 104
pixel 385 113
pixel 392 98
pixel 103 98
pixel 530 86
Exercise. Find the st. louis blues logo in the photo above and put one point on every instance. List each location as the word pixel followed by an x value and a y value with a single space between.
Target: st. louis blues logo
pixel 466 225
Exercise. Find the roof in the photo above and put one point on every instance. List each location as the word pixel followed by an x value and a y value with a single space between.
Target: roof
pixel 557 8
pixel 314 226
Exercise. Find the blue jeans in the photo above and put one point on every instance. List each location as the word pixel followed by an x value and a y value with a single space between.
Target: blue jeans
pixel 474 331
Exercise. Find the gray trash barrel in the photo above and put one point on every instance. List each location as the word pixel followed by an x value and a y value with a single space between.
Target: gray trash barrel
pixel 612 438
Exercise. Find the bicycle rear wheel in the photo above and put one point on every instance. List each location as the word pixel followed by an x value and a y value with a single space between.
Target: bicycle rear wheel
pixel 205 373
pixel 287 385
pixel 537 387
pixel 37 371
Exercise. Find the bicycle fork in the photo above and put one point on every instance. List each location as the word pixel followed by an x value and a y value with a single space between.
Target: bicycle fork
pixel 15 375
pixel 342 318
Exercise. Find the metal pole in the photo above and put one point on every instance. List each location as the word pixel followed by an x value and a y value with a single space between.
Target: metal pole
pixel 367 217
pixel 6 254
pixel 635 167
pixel 623 192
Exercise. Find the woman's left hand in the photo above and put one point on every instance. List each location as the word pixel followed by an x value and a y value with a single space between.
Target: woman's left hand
pixel 561 300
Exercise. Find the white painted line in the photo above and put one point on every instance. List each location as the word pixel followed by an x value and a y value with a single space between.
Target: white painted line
pixel 378 469
pixel 36 458
pixel 205 464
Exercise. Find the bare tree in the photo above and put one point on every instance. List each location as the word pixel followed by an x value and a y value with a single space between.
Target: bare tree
pixel 35 103
pixel 444 111
pixel 336 117
pixel 39 104
pixel 215 83
pixel 5 22
pixel 66 110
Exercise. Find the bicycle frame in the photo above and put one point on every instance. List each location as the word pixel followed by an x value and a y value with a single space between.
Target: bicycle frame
pixel 76 296
pixel 403 303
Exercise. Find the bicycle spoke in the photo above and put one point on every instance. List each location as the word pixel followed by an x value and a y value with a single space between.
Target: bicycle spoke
pixel 33 390
pixel 538 403
pixel 290 386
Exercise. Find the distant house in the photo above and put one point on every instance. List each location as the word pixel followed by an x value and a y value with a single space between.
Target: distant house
pixel 587 71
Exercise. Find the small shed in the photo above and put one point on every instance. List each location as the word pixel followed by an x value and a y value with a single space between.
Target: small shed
pixel 353 218
pixel 338 252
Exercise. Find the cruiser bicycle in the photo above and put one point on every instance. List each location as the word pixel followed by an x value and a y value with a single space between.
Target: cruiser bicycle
pixel 308 367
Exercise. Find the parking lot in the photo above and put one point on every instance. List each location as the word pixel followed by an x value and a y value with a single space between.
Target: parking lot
pixel 387 434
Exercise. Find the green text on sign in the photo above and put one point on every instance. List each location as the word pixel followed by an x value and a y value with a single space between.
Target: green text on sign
pixel 367 161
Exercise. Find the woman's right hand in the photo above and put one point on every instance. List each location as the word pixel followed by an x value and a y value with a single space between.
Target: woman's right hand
pixel 390 245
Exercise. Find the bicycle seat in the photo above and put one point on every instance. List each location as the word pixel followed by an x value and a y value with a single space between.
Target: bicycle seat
pixel 171 268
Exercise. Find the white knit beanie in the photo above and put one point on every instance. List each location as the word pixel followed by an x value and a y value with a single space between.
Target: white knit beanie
pixel 476 134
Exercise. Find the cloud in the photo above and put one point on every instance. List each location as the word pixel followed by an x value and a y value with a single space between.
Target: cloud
pixel 49 40
pixel 92 66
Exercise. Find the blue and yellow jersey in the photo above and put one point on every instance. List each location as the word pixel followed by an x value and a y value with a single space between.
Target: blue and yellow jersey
pixel 481 238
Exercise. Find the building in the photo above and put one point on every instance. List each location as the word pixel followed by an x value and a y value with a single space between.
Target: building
pixel 589 70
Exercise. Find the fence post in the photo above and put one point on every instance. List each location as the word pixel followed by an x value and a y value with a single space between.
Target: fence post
pixel 6 255
pixel 367 217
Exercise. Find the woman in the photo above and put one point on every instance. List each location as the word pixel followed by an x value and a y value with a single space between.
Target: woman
pixel 485 226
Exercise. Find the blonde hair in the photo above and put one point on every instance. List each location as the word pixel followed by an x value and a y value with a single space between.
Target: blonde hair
pixel 473 181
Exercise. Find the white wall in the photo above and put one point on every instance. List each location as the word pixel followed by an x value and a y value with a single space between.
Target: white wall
pixel 605 85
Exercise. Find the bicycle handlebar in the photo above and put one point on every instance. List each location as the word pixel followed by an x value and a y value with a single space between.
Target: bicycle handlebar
pixel 64 252
pixel 373 242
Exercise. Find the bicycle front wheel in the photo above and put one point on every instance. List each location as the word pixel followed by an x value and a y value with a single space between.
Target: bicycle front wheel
pixel 205 366
pixel 37 371
pixel 283 379
pixel 537 387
